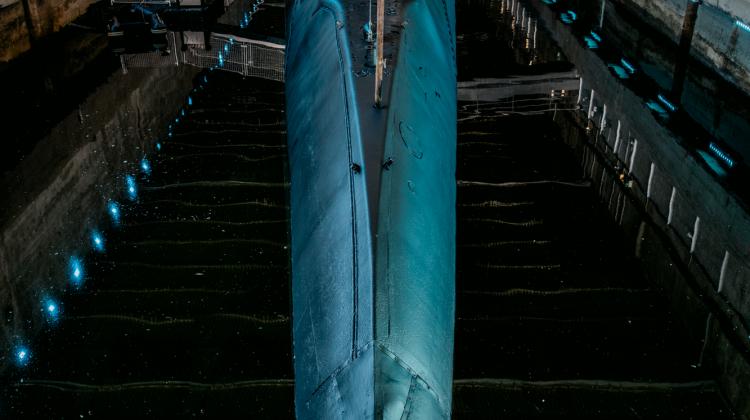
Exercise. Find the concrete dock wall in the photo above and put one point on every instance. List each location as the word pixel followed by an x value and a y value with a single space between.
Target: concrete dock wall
pixel 690 232
pixel 718 42
pixel 24 21
pixel 59 192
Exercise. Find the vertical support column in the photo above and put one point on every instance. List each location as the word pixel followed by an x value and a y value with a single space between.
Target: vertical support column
pixel 591 105
pixel 30 15
pixel 580 90
pixel 722 275
pixel 183 44
pixel 245 60
pixel 671 206
pixel 696 229
pixel 650 180
pixel 207 40
pixel 250 58
pixel 174 48
pixel 601 14
pixel 631 167
pixel 683 50
pixel 379 45
pixel 616 147
pixel 723 272
pixel 123 66
pixel 604 118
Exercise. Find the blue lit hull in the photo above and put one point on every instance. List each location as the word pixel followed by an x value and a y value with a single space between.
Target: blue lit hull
pixel 373 212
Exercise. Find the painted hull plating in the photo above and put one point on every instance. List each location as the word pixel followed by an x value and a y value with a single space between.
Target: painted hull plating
pixel 373 211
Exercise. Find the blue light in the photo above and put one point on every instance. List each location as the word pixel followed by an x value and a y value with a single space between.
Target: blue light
pixel 667 103
pixel 721 154
pixel 146 166
pixel 568 17
pixel 596 36
pixel 591 43
pixel 114 212
pixel 231 40
pixel 131 187
pixel 221 59
pixel 654 106
pixel 713 163
pixel 158 147
pixel 22 355
pixel 182 112
pixel 76 271
pixel 627 65
pixel 205 79
pixel 549 1
pixel 619 71
pixel 226 48
pixel 51 310
pixel 190 100
pixel 742 25
pixel 97 241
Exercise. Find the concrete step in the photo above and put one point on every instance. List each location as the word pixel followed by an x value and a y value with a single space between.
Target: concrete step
pixel 637 347
pixel 261 297
pixel 189 229
pixel 186 276
pixel 271 398
pixel 586 400
pixel 165 210
pixel 250 148
pixel 111 348
pixel 204 135
pixel 563 304
pixel 202 252
pixel 209 165
pixel 217 191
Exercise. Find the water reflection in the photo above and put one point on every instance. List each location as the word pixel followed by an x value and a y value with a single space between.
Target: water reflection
pixel 692 100
pixel 502 40
pixel 536 78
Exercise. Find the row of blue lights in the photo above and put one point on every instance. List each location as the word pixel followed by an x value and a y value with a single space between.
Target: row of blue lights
pixel 247 17
pixel 51 307
pixel 224 50
pixel 666 102
pixel 724 156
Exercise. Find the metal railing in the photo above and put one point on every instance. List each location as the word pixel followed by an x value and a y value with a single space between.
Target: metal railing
pixel 248 57
pixel 244 56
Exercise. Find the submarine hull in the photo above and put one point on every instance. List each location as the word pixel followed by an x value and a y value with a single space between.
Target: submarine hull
pixel 372 210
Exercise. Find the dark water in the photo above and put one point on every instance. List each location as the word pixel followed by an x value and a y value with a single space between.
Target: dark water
pixel 146 219
pixel 554 316
pixel 186 304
